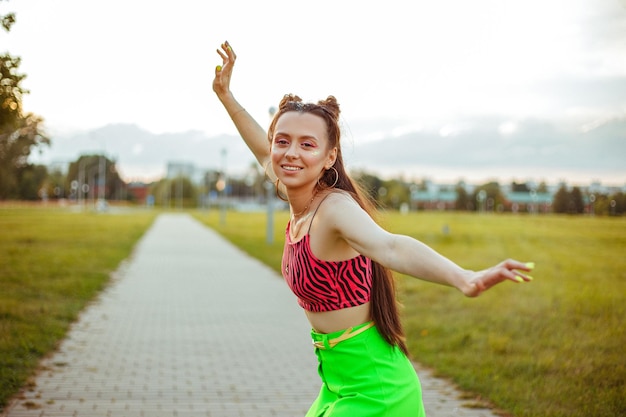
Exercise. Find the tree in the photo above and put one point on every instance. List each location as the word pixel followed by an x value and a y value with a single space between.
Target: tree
pixel 521 187
pixel 462 198
pixel 612 205
pixel 568 201
pixel 7 20
pixel 31 182
pixel 560 203
pixel 83 178
pixel 370 183
pixel 620 203
pixel 488 196
pixel 19 132
pixel 543 187
pixel 576 205
pixel 56 184
pixel 175 192
pixel 396 193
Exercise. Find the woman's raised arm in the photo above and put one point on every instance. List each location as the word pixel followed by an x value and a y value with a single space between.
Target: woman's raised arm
pixel 251 132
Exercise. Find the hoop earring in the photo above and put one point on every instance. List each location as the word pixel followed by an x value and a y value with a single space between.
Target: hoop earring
pixel 277 193
pixel 336 178
pixel 267 175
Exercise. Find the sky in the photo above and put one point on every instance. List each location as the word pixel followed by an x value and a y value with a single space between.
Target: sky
pixel 396 67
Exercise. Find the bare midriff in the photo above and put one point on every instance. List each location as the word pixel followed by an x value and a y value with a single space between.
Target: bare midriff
pixel 333 321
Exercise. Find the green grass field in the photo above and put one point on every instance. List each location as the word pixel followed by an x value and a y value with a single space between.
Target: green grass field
pixel 52 262
pixel 551 348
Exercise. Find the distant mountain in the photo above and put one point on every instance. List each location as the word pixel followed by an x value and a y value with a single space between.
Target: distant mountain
pixel 535 148
pixel 142 154
pixel 531 148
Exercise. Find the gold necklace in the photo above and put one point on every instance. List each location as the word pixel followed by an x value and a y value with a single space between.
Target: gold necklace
pixel 294 215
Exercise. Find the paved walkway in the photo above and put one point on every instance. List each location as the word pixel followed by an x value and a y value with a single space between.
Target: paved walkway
pixel 191 326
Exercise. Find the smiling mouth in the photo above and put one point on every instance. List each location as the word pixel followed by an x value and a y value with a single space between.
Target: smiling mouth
pixel 291 168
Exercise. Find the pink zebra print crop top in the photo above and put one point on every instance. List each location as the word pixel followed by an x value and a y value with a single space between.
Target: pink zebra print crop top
pixel 325 285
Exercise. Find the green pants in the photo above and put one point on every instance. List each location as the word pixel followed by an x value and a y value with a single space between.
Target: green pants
pixel 365 376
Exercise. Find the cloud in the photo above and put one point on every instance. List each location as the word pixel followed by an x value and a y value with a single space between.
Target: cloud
pixel 590 92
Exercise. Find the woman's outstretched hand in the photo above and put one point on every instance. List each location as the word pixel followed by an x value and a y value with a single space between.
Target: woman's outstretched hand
pixel 221 82
pixel 507 270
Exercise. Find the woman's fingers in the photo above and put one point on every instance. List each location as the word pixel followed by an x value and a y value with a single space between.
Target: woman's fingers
pixel 508 270
pixel 222 72
pixel 228 58
pixel 229 51
pixel 226 53
pixel 515 267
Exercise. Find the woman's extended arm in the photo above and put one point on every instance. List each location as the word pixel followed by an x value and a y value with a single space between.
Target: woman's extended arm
pixel 251 132
pixel 409 256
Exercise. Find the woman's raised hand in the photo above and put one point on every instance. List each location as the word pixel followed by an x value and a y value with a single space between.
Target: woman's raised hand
pixel 221 82
pixel 506 270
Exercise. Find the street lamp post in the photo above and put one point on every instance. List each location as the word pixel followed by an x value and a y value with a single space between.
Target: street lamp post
pixel 481 197
pixel 270 199
pixel 592 208
pixel 270 212
pixel 91 178
pixel 102 180
pixel 102 183
pixel 179 188
pixel 225 189
pixel 81 183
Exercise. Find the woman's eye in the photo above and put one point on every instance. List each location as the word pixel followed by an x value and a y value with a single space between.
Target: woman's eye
pixel 281 142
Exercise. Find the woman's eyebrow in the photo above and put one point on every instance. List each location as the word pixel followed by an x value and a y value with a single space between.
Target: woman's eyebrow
pixel 289 135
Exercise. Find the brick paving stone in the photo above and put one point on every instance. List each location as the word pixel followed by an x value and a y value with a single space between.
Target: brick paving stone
pixel 192 326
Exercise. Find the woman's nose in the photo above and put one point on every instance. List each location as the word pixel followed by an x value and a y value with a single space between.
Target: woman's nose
pixel 292 151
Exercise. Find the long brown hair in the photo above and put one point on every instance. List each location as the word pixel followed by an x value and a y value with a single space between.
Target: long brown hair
pixel 384 307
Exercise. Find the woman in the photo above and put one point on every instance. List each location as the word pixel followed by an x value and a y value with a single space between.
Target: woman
pixel 337 260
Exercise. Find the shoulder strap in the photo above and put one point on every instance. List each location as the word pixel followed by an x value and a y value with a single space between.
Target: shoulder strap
pixel 315 212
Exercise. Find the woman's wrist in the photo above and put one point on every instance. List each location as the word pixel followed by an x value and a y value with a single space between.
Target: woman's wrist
pixel 225 97
pixel 463 282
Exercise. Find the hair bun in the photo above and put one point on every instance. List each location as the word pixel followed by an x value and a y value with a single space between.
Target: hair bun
pixel 331 105
pixel 288 98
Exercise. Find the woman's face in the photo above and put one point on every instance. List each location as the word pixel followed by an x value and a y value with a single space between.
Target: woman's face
pixel 299 149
